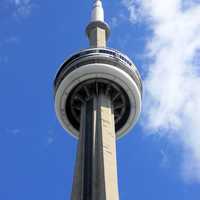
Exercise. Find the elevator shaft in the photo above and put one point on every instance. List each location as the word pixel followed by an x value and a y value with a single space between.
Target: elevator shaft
pixel 95 175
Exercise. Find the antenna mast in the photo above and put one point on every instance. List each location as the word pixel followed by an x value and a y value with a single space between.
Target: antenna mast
pixel 97 30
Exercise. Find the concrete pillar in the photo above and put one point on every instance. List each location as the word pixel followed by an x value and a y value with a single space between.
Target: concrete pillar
pixel 95 175
pixel 98 33
pixel 97 37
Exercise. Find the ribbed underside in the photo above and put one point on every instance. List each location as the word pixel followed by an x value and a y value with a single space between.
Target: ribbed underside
pixel 86 90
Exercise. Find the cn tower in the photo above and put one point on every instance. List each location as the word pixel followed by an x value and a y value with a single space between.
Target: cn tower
pixel 98 94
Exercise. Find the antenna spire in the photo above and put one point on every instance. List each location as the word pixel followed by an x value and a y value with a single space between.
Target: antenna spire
pixel 97 30
pixel 97 11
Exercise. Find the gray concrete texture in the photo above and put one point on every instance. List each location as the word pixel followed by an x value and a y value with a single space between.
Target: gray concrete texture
pixel 95 175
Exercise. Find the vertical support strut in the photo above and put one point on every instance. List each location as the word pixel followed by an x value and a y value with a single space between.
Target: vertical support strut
pixel 97 37
pixel 95 175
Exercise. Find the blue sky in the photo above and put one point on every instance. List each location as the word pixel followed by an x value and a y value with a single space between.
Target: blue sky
pixel 160 158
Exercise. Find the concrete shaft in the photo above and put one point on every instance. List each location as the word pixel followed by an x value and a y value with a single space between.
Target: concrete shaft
pixel 97 37
pixel 95 175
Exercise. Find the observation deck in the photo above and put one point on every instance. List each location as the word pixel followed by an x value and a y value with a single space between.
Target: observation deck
pixel 90 71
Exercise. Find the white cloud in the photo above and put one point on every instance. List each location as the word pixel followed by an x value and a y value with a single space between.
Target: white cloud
pixel 14 131
pixel 172 85
pixel 12 40
pixel 114 22
pixel 8 42
pixel 164 159
pixel 23 8
pixel 132 7
pixel 51 137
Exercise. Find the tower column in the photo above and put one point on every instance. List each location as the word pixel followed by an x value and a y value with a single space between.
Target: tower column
pixel 96 166
pixel 97 91
pixel 97 37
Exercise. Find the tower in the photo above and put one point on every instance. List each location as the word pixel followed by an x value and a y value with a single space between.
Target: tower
pixel 98 100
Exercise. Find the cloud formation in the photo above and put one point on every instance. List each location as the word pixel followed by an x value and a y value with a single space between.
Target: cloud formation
pixel 14 131
pixel 172 85
pixel 16 8
pixel 23 7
